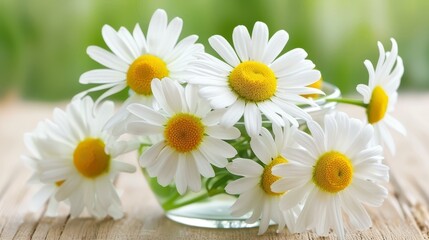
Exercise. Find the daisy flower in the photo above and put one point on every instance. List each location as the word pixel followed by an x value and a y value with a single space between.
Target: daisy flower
pixel 254 187
pixel 336 169
pixel 46 193
pixel 381 94
pixel 252 80
pixel 75 154
pixel 190 136
pixel 137 60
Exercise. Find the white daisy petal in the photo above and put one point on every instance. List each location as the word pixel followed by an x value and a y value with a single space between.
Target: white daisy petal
pixel 245 167
pixel 242 41
pixel 107 59
pixel 172 34
pixel 365 92
pixel 116 44
pixel 181 175
pixel 223 132
pixel 259 40
pixel 224 49
pixel 260 149
pixel 102 76
pixel 203 166
pixel 233 114
pixel 287 59
pixel 241 185
pixel 395 124
pixel 194 178
pixel 156 30
pixel 143 128
pixel 218 145
pixel 140 39
pixel 146 113
pixel 275 46
pixel 294 196
pixel 129 41
pixel 252 119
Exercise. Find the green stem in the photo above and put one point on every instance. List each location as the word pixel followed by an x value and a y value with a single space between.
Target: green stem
pixel 169 205
pixel 348 101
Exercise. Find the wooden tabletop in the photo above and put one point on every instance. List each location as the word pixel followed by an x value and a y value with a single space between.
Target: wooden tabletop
pixel 404 214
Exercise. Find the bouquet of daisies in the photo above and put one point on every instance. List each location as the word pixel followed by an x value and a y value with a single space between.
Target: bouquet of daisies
pixel 234 125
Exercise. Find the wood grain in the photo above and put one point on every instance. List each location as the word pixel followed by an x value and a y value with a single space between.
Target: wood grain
pixel 404 214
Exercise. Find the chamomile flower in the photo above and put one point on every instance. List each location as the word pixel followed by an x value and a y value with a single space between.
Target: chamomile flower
pixel 137 60
pixel 254 187
pixel 75 154
pixel 252 80
pixel 381 94
pixel 336 169
pixel 46 193
pixel 190 136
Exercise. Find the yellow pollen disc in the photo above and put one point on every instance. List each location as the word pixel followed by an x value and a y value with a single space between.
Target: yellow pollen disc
pixel 59 183
pixel 377 105
pixel 333 172
pixel 143 70
pixel 253 81
pixel 90 159
pixel 318 85
pixel 184 132
pixel 268 178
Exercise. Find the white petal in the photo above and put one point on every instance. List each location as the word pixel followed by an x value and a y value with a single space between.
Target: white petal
pixel 252 119
pixel 102 76
pixel 107 59
pixel 288 59
pixel 129 41
pixel 203 165
pixel 156 30
pixel 181 174
pixel 194 178
pixel 172 34
pixel 224 49
pixel 242 185
pixel 146 113
pixel 116 44
pixel 139 38
pixel 226 99
pixel 245 167
pixel 395 124
pixel 219 146
pixel 275 46
pixel 368 192
pixel 67 188
pixel 144 128
pixel 365 92
pixel 259 40
pixel 167 172
pixel 222 132
pixel 233 114
pixel 242 42
pixel 307 142
pixel 294 196
pixel 355 211
pixel 260 149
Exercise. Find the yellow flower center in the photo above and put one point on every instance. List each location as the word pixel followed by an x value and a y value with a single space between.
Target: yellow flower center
pixel 333 172
pixel 268 178
pixel 143 70
pixel 184 132
pixel 59 183
pixel 253 81
pixel 377 105
pixel 318 85
pixel 90 159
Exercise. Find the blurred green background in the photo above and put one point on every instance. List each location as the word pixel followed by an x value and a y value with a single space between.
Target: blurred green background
pixel 43 43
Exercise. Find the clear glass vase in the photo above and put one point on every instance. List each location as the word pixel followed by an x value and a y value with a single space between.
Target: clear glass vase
pixel 210 207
